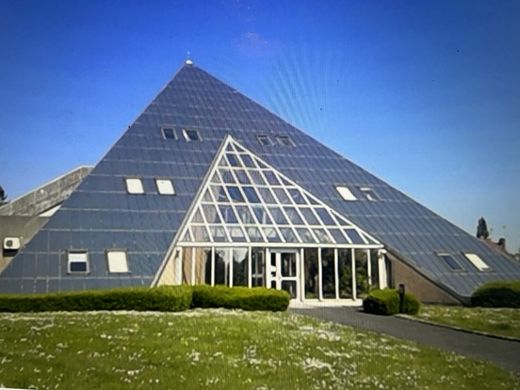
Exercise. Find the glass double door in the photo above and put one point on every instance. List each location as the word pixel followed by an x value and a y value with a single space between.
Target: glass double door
pixel 283 271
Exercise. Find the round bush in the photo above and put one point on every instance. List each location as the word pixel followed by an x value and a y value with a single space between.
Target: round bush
pixel 497 294
pixel 386 302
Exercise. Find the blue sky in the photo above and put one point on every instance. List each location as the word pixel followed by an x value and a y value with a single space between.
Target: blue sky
pixel 425 95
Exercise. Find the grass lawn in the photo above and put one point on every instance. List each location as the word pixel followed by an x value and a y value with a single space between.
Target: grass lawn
pixel 504 322
pixel 222 349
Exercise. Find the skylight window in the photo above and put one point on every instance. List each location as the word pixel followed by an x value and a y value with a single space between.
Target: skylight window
pixel 77 262
pixel 117 261
pixel 169 133
pixel 165 186
pixel 477 261
pixel 345 193
pixel 369 194
pixel 264 139
pixel 191 135
pixel 134 186
pixel 284 140
pixel 450 261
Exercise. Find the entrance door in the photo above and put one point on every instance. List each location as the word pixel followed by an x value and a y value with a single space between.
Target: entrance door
pixel 283 272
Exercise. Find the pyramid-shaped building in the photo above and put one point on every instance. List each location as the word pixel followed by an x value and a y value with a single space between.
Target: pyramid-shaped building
pixel 207 186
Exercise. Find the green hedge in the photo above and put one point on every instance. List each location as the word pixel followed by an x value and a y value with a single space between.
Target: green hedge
pixel 497 294
pixel 164 298
pixel 386 302
pixel 257 298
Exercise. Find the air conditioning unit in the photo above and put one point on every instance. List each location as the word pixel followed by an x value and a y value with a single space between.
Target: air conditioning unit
pixel 11 243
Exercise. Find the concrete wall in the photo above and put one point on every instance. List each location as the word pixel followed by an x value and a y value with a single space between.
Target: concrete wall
pixel 17 226
pixel 425 290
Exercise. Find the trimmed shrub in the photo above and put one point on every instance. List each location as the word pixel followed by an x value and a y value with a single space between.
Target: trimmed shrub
pixel 386 302
pixel 497 294
pixel 164 298
pixel 257 298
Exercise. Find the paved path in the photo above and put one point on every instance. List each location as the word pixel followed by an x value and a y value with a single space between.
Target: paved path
pixel 501 352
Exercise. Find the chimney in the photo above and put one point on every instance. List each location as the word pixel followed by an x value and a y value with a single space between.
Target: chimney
pixel 502 243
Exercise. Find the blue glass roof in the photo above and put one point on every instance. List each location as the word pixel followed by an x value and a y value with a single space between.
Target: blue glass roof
pixel 101 215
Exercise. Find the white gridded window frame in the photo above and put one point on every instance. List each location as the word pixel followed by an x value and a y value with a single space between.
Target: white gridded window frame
pixel 165 186
pixel 312 203
pixel 71 260
pixel 113 267
pixel 187 137
pixel 134 185
pixel 477 261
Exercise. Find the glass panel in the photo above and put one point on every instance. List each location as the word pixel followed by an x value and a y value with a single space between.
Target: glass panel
pixel 254 234
pixel 215 179
pixel 222 265
pixel 251 194
pixel 325 216
pixel 256 177
pixel 271 235
pixel 309 216
pixel 186 265
pixel 374 269
pixel 345 273
pixel 234 194
pixel 203 266
pixel 290 287
pixel 245 215
pixel 271 178
pixel 223 162
pixel 242 177
pixel 237 235
pixel 240 267
pixel 218 233
pixel 261 215
pixel 278 216
pixel 354 236
pixel 288 264
pixel 361 273
pixel 310 266
pixel 328 273
pixel 219 194
pixel 187 236
pixel 233 160
pixel 288 235
pixel 305 235
pixel 337 236
pixel 197 217
pixel 282 196
pixel 257 267
pixel 247 160
pixel 207 197
pixel 210 212
pixel 296 196
pixel 227 176
pixel 293 215
pixel 267 195
pixel 200 234
pixel 228 214
pixel 321 235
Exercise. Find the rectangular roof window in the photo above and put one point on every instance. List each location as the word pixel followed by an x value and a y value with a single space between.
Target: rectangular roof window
pixel 191 135
pixel 169 133
pixel 369 194
pixel 165 186
pixel 477 261
pixel 345 193
pixel 284 140
pixel 264 139
pixel 450 261
pixel 117 262
pixel 134 186
pixel 77 262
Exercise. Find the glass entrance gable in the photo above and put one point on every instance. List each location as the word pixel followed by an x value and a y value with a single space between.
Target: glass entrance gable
pixel 245 199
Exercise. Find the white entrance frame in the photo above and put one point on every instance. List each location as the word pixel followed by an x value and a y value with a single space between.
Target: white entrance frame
pixel 274 273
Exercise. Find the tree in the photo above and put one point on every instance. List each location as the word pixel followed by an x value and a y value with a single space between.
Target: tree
pixel 482 230
pixel 3 196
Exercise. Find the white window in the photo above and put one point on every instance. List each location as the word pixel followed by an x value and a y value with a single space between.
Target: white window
pixel 77 262
pixel 169 133
pixel 284 140
pixel 264 139
pixel 477 261
pixel 345 193
pixel 369 193
pixel 134 186
pixel 117 262
pixel 191 135
pixel 165 186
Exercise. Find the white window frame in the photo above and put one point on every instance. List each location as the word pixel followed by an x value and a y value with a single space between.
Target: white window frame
pixel 477 261
pixel 77 256
pixel 112 261
pixel 134 185
pixel 369 194
pixel 266 137
pixel 187 137
pixel 284 140
pixel 165 186
pixel 345 193
pixel 172 129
